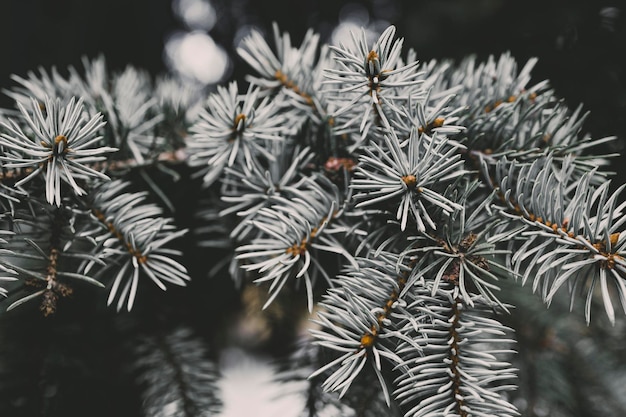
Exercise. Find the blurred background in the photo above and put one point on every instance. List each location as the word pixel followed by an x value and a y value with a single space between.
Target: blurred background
pixel 581 46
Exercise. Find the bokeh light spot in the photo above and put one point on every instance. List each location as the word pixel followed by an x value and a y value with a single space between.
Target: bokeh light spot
pixel 196 57
pixel 196 14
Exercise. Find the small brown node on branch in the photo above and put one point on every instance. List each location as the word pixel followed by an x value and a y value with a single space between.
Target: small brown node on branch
pixel 280 76
pixel 335 164
pixel 297 248
pixel 238 119
pixel 51 296
pixel 367 340
pixel 451 274
pixel 601 245
pixel 373 55
pixel 410 180
pixel 468 241
pixel 438 122
pixel 48 303
pixel 136 253
pixel 60 146
pixel 610 261
pixel 489 108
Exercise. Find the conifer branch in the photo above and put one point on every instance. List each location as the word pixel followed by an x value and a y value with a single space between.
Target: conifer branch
pixel 450 373
pixel 44 251
pixel 53 287
pixel 289 68
pixel 291 232
pixel 134 237
pixel 585 245
pixel 178 378
pixel 416 190
pixel 356 321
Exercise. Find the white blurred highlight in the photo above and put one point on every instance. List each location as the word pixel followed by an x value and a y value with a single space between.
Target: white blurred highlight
pixel 197 14
pixel 196 57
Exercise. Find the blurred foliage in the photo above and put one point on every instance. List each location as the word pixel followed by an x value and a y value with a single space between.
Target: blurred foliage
pixel 579 43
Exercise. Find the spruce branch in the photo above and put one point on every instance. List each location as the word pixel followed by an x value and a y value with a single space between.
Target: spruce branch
pixel 145 119
pixel 525 123
pixel 409 174
pixel 416 190
pixel 45 249
pixel 362 400
pixel 355 320
pixel 292 233
pixel 133 238
pixel 465 251
pixel 8 274
pixel 371 83
pixel 57 145
pixel 289 68
pixel 571 235
pixel 247 190
pixel 460 357
pixel 296 75
pixel 234 126
pixel 36 85
pixel 177 376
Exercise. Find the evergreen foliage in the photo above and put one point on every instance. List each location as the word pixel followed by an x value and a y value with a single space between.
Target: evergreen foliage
pixel 414 206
